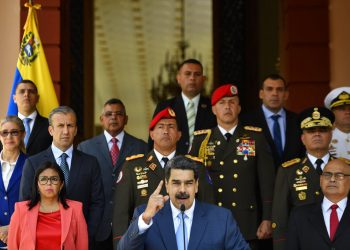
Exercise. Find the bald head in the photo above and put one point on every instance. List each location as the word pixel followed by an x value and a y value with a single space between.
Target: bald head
pixel 335 180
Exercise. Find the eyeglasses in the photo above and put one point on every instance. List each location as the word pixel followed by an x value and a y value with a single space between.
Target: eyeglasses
pixel 5 133
pixel 110 113
pixel 337 176
pixel 53 180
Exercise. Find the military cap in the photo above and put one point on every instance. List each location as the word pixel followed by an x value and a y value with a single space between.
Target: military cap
pixel 167 113
pixel 316 117
pixel 226 90
pixel 337 97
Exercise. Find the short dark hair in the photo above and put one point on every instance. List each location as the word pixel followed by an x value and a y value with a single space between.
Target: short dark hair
pixel 27 82
pixel 183 163
pixel 61 110
pixel 114 101
pixel 274 77
pixel 190 61
pixel 35 195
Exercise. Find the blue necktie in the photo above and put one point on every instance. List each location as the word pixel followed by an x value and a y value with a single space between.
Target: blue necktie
pixel 26 122
pixel 277 134
pixel 65 168
pixel 180 233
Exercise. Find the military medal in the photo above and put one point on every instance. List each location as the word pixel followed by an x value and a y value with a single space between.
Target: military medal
pixel 152 166
pixel 302 196
pixel 299 172
pixel 305 169
pixel 137 169
pixel 143 192
pixel 246 148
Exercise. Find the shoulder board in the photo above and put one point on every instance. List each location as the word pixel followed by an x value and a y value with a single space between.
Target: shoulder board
pixel 291 162
pixel 251 128
pixel 133 157
pixel 195 158
pixel 201 132
pixel 343 159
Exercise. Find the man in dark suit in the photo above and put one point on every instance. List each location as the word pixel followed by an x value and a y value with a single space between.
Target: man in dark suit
pixel 82 172
pixel 183 222
pixel 113 120
pixel 239 162
pixel 298 180
pixel 324 225
pixel 141 174
pixel 193 110
pixel 37 136
pixel 283 135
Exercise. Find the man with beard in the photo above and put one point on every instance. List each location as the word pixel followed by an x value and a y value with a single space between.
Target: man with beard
pixel 141 174
pixel 111 149
pixel 298 180
pixel 183 222
pixel 238 160
pixel 338 100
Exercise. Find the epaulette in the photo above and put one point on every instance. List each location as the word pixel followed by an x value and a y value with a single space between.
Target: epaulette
pixel 344 160
pixel 251 128
pixel 290 162
pixel 194 158
pixel 133 157
pixel 201 132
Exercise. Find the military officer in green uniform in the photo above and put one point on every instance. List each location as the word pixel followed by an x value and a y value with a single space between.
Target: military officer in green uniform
pixel 141 174
pixel 298 180
pixel 239 162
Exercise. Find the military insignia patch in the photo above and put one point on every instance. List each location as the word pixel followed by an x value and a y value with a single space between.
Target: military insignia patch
pixel 299 172
pixel 153 166
pixel 302 196
pixel 290 163
pixel 246 148
pixel 137 169
pixel 143 192
pixel 150 158
pixel 305 169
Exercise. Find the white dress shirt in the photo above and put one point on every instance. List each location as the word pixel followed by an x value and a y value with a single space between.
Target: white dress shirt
pixel 195 101
pixel 313 160
pixel 224 131
pixel 120 138
pixel 160 156
pixel 326 210
pixel 58 152
pixel 7 169
pixel 31 116
pixel 282 122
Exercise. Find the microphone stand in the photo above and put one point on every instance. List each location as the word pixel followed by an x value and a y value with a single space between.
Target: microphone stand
pixel 182 208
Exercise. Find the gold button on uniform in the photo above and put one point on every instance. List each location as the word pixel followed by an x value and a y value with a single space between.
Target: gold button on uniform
pixel 235 176
pixel 221 176
pixel 234 190
pixel 220 190
pixel 221 163
pixel 234 204
pixel 251 206
pixel 274 225
pixel 219 204
pixel 235 161
pixel 317 193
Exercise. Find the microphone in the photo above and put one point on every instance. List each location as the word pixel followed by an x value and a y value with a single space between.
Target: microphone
pixel 183 208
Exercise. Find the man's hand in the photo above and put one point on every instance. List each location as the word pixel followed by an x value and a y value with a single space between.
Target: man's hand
pixel 155 203
pixel 4 233
pixel 264 230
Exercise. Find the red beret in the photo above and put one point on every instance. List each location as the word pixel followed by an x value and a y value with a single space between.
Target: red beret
pixel 166 113
pixel 226 90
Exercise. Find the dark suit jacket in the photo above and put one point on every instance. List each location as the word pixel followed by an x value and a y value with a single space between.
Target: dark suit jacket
pixel 98 147
pixel 40 138
pixel 205 119
pixel 308 231
pixel 293 146
pixel 85 184
pixel 212 228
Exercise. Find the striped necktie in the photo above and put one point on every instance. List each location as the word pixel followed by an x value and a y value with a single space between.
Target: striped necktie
pixel 191 118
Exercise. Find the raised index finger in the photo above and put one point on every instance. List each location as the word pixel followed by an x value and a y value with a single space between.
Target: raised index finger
pixel 159 188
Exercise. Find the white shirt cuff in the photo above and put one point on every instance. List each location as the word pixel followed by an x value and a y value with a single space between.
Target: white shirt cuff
pixel 143 226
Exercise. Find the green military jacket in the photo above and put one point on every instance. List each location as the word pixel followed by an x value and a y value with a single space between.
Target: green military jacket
pixel 242 173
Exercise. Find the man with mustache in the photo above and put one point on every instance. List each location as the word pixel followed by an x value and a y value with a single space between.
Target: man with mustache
pixel 298 180
pixel 141 174
pixel 183 222
pixel 111 149
pixel 238 160
pixel 325 224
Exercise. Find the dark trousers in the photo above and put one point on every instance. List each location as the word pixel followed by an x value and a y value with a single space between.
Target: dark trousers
pixel 107 244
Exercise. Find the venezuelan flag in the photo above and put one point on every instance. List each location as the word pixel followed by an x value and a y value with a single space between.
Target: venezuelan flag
pixel 32 65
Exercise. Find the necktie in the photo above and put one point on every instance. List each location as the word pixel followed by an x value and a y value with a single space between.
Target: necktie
pixel 181 240
pixel 165 160
pixel 318 166
pixel 114 151
pixel 65 168
pixel 277 134
pixel 26 122
pixel 228 136
pixel 334 221
pixel 191 117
